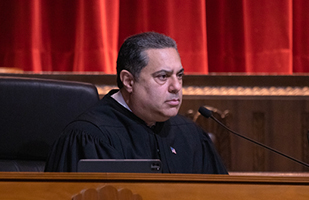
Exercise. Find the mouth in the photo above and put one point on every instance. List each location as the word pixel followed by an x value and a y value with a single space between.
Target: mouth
pixel 173 102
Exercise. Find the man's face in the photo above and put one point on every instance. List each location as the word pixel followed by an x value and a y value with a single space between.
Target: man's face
pixel 157 92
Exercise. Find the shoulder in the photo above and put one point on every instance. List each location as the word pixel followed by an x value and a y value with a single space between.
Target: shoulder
pixel 106 117
pixel 106 112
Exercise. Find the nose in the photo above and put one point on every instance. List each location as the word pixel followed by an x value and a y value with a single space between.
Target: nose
pixel 175 84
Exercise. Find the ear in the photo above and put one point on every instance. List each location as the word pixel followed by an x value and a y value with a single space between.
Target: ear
pixel 127 79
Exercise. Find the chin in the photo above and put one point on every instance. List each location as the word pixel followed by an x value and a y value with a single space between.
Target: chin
pixel 171 113
pixel 165 114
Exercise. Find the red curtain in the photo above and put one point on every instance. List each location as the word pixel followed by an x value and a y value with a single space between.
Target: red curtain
pixel 264 36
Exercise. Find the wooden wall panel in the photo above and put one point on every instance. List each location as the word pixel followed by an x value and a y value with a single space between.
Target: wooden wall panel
pixel 277 122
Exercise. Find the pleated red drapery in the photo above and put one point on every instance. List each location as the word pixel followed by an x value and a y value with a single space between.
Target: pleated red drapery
pixel 185 23
pixel 300 36
pixel 57 35
pixel 250 36
pixel 213 36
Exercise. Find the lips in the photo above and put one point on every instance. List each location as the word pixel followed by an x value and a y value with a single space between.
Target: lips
pixel 173 102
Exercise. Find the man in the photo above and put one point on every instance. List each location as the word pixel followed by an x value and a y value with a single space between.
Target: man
pixel 140 121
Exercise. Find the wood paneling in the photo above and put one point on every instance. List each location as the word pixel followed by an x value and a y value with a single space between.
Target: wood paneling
pixel 277 122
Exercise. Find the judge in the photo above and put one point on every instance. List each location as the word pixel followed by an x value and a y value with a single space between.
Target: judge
pixel 140 119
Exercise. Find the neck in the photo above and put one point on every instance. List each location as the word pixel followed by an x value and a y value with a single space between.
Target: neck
pixel 126 98
pixel 119 98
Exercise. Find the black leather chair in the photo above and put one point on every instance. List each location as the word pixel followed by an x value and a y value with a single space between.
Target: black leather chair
pixel 33 113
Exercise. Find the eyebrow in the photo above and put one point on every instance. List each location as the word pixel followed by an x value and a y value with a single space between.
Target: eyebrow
pixel 167 71
pixel 180 71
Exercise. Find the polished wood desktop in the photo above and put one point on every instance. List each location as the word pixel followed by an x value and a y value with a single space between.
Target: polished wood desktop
pixel 82 186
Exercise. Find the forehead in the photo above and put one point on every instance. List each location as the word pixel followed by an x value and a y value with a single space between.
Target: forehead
pixel 162 59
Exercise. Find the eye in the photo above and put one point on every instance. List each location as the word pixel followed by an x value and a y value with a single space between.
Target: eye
pixel 180 75
pixel 162 77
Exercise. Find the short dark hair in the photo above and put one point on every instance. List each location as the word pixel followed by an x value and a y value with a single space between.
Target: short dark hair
pixel 132 55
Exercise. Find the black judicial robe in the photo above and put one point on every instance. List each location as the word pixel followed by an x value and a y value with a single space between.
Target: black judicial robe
pixel 110 131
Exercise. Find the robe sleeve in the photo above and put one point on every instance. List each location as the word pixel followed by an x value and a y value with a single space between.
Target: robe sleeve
pixel 212 161
pixel 75 144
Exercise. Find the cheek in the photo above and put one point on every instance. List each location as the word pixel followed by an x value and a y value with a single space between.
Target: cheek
pixel 158 93
pixel 155 96
pixel 152 89
pixel 150 92
pixel 155 99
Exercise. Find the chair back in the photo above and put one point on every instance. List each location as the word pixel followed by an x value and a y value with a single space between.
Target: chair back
pixel 33 113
